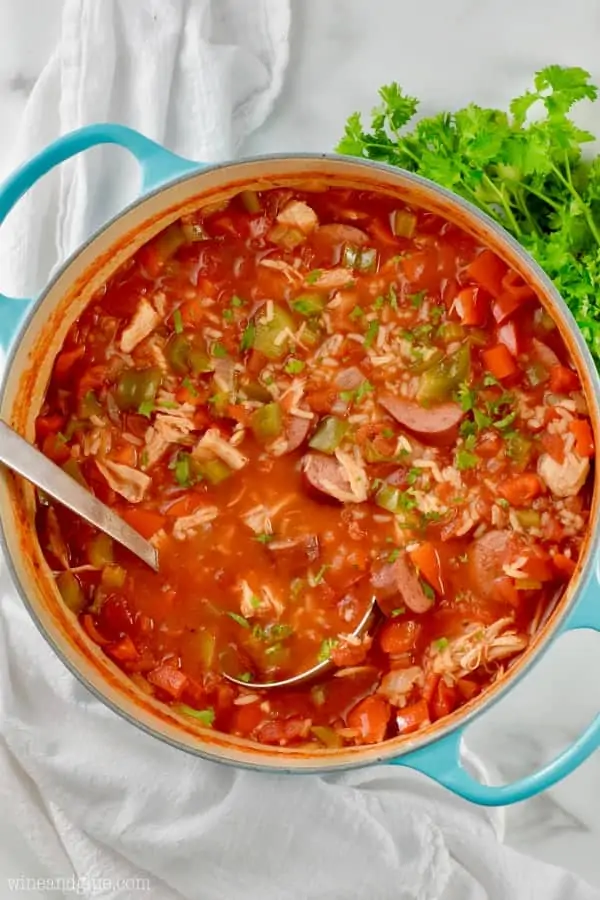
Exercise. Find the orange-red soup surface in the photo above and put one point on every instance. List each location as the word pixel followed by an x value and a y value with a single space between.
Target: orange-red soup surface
pixel 307 400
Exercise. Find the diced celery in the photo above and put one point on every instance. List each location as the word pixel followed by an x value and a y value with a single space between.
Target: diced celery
pixel 72 468
pixel 113 576
pixel 89 405
pixel 329 435
pixel 424 364
pixel 177 352
pixel 363 259
pixel 169 242
pixel 137 386
pixel 71 591
pixel 250 201
pixel 537 374
pixel 256 391
pixel 519 449
pixel 193 232
pixel 270 337
pixel 404 223
pixel 286 236
pixel 389 498
pixel 214 470
pixel 267 422
pixel 309 304
pixel 199 361
pixel 327 736
pixel 451 331
pixel 528 518
pixel 100 551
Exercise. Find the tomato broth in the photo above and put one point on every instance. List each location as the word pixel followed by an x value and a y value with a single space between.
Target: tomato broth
pixel 307 401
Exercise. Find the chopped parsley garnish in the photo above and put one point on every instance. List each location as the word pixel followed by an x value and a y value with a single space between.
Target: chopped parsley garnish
pixel 145 458
pixel 218 350
pixel 313 276
pixel 264 538
pixel 239 619
pixel 464 459
pixel 320 576
pixel 416 300
pixel 387 433
pixel 248 337
pixel 501 424
pixel 228 315
pixel 393 555
pixel 187 384
pixel 182 469
pixel 245 676
pixel 427 590
pixel 177 321
pixel 371 332
pixel 294 366
pixel 412 475
pixel 481 420
pixel 327 647
pixel 205 716
pixel 357 312
pixel 441 644
pixel 237 301
pixel 466 397
pixel 399 611
pixel 362 390
pixel 489 380
pixel 378 302
pixel 392 298
pixel 167 404
pixel 503 502
pixel 146 408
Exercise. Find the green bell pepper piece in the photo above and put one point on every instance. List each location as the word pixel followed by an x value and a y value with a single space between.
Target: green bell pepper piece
pixel 137 386
pixel 329 435
pixel 267 422
pixel 71 591
pixel 438 383
pixel 268 335
pixel 309 304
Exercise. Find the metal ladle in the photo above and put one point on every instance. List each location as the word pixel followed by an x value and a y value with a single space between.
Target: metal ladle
pixel 24 459
pixel 321 668
pixel 17 454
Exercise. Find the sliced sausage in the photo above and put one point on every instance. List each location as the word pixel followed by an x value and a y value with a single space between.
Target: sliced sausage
pixel 349 379
pixel 327 476
pixel 399 579
pixel 438 424
pixel 487 557
pixel 296 431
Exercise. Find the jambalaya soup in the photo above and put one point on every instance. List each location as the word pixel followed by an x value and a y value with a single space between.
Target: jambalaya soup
pixel 306 400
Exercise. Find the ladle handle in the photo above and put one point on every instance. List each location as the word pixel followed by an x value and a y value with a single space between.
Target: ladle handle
pixel 21 457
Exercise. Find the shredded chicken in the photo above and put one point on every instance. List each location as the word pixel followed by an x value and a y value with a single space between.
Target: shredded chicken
pixel 397 684
pixel 258 519
pixel 169 428
pixel 56 542
pixel 186 525
pixel 225 375
pixel 143 322
pixel 331 278
pixel 125 480
pixel 212 444
pixel 298 214
pixel 292 274
pixel 564 479
pixel 478 647
pixel 261 604
pixel 353 467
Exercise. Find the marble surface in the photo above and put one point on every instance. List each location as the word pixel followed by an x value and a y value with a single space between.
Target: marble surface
pixel 448 54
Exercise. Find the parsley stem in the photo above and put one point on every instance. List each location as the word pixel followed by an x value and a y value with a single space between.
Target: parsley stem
pixel 587 213
pixel 503 202
pixel 540 195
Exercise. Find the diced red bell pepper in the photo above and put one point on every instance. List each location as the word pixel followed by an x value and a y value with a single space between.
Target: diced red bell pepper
pixel 412 717
pixel 370 717
pixel 521 490
pixel 399 636
pixel 124 650
pixel 145 521
pixel 584 438
pixel 471 306
pixel 488 270
pixel 444 701
pixel 45 425
pixel 499 362
pixel 563 380
pixel 169 679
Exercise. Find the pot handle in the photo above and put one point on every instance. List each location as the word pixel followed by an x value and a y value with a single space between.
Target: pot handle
pixel 441 759
pixel 157 164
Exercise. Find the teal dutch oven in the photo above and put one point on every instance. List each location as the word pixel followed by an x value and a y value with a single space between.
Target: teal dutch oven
pixel 32 331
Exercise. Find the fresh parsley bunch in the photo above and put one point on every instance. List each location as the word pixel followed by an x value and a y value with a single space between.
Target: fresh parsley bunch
pixel 525 168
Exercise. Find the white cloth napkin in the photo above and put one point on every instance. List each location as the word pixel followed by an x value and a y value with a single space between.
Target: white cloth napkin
pixel 95 802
